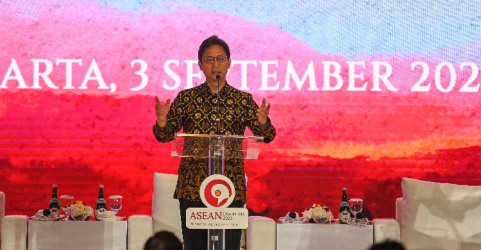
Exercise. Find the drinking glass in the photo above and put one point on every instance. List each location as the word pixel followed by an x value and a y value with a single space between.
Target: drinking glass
pixel 356 207
pixel 65 202
pixel 115 202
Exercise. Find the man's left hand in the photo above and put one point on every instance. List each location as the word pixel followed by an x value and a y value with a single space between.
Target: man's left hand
pixel 263 112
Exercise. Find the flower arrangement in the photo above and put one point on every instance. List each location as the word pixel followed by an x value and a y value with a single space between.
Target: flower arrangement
pixel 318 214
pixel 80 211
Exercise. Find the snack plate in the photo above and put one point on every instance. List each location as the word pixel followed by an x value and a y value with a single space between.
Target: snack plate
pixel 289 220
pixel 46 218
pixel 112 219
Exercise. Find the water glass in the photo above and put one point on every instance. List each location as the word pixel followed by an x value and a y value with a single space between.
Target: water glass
pixel 356 207
pixel 65 202
pixel 115 202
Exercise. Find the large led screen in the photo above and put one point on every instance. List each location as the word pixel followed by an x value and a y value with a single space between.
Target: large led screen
pixel 363 93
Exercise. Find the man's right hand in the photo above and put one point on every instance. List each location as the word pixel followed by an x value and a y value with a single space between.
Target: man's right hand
pixel 161 111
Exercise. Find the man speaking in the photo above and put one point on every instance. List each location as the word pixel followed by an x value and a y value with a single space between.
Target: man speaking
pixel 195 110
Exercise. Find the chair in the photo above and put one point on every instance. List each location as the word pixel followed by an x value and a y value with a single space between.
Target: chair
pixel 260 235
pixel 438 216
pixel 2 212
pixel 13 230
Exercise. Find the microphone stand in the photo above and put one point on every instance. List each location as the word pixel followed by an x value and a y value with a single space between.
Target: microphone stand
pixel 217 121
pixel 216 237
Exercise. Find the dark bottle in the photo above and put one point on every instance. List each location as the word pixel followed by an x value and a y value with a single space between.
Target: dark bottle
pixel 101 205
pixel 344 208
pixel 54 205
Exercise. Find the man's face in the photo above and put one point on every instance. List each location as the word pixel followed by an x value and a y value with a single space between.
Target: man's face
pixel 213 68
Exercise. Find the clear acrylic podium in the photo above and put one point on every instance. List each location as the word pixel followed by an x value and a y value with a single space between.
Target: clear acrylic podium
pixel 216 148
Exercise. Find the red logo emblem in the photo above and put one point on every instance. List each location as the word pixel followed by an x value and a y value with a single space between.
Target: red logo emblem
pixel 217 191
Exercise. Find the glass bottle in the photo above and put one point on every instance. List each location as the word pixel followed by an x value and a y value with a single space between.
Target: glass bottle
pixel 344 208
pixel 101 205
pixel 54 205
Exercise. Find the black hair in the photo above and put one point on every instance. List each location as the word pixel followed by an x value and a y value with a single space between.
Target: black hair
pixel 387 245
pixel 213 40
pixel 163 240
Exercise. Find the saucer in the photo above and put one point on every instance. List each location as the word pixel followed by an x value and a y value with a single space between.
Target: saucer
pixel 119 218
pixel 47 218
pixel 288 220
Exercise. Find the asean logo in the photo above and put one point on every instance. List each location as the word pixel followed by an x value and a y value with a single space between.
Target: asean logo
pixel 217 191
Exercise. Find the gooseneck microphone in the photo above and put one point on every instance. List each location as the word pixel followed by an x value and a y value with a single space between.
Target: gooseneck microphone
pixel 217 121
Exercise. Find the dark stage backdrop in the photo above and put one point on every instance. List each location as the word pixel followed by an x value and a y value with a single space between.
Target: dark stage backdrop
pixel 363 93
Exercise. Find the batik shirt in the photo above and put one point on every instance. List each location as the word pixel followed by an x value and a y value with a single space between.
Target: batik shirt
pixel 194 110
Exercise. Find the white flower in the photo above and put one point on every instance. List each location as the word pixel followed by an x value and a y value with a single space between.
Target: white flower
pixel 307 214
pixel 79 209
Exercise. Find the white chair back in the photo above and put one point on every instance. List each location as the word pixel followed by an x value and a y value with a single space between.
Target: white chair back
pixel 165 209
pixel 2 212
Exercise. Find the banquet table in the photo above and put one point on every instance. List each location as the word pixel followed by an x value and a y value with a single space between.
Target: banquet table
pixel 73 235
pixel 323 236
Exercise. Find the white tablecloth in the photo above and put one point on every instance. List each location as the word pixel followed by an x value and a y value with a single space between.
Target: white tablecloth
pixel 323 236
pixel 73 235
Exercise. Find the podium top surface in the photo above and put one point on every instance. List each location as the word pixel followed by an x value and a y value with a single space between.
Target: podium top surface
pixel 233 146
pixel 255 138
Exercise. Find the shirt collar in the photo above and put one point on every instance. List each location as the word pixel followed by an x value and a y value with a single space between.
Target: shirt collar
pixel 224 91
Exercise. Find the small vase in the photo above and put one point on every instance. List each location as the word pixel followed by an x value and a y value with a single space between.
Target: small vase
pixel 319 220
pixel 80 217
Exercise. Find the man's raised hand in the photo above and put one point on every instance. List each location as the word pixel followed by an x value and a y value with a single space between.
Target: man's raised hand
pixel 263 111
pixel 161 111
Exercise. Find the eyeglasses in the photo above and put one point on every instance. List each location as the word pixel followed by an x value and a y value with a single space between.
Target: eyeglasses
pixel 210 59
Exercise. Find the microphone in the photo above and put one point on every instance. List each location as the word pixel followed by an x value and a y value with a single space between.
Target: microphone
pixel 217 121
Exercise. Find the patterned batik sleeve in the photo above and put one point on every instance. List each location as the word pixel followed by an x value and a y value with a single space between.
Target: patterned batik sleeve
pixel 266 130
pixel 175 119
